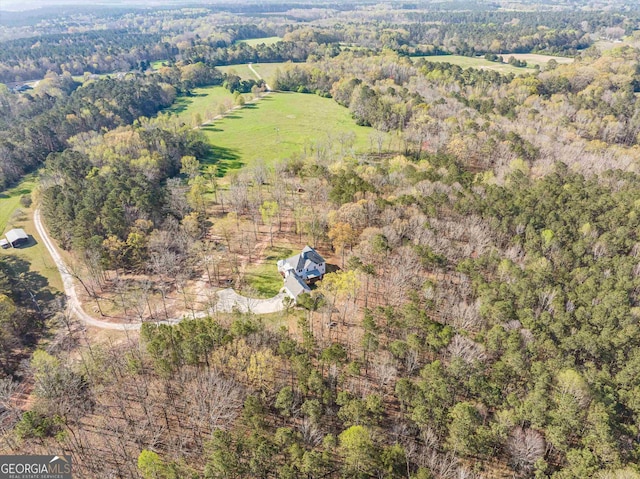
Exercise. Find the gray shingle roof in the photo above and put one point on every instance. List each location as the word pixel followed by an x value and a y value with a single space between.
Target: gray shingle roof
pixel 295 285
pixel 307 258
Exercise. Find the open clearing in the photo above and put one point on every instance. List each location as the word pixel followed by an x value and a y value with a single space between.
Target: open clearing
pixel 538 59
pixel 10 200
pixel 630 40
pixel 281 125
pixel 257 41
pixel 477 62
pixel 205 101
pixel 14 215
pixel 263 279
pixel 156 65
pixel 266 70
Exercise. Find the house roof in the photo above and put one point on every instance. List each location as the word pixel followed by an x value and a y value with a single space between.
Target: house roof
pixel 308 257
pixel 16 234
pixel 295 285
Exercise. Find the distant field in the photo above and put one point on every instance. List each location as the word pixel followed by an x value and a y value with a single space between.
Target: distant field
pixel 13 215
pixel 280 125
pixel 479 63
pixel 266 70
pixel 604 45
pixel 257 41
pixel 205 101
pixel 157 64
pixel 80 78
pixel 538 59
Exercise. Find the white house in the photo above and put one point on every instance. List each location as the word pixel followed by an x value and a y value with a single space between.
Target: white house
pixel 308 265
pixel 301 269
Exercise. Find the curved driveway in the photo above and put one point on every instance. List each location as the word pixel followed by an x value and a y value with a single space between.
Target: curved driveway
pixel 228 299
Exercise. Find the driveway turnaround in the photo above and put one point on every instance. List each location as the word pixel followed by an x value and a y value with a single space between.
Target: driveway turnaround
pixel 228 299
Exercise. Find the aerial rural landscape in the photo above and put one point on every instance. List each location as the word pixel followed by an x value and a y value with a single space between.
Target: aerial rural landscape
pixel 321 240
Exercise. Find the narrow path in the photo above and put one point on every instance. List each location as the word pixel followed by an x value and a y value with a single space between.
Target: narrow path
pixel 258 76
pixel 228 299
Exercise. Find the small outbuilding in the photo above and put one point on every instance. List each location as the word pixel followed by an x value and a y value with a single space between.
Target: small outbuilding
pixel 4 244
pixel 17 237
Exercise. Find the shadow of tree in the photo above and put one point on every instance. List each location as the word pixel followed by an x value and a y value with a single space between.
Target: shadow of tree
pixel 36 303
pixel 29 287
pixel 32 242
pixel 225 158
pixel 332 268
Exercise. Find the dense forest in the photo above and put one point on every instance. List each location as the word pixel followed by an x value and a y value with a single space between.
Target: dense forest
pixel 42 120
pixel 480 319
pixel 131 41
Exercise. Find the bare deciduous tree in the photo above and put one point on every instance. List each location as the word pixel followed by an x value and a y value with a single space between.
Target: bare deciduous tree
pixel 525 447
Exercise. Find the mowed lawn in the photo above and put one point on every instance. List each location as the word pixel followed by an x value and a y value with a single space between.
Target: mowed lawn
pixel 205 101
pixel 281 125
pixel 479 63
pixel 10 200
pixel 263 280
pixel 14 215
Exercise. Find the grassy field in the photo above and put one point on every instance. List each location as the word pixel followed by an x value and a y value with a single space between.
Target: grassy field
pixel 157 64
pixel 10 200
pixel 204 101
pixel 264 279
pixel 629 40
pixel 13 215
pixel 280 125
pixel 266 70
pixel 479 63
pixel 257 41
pixel 538 59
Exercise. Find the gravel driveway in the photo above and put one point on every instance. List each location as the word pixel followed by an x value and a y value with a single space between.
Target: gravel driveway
pixel 227 298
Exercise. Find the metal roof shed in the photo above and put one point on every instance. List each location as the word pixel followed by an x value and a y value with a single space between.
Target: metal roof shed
pixel 17 237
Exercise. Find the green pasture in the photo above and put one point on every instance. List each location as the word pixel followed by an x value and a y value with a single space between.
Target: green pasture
pixel 266 70
pixel 14 215
pixel 204 101
pixel 10 200
pixel 281 125
pixel 538 59
pixel 253 42
pixel 156 65
pixel 479 63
